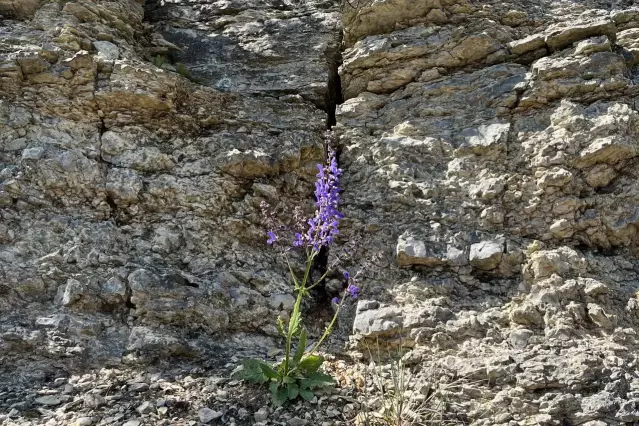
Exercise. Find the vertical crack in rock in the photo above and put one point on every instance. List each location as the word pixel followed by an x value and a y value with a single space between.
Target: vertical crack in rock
pixel 332 100
pixel 334 92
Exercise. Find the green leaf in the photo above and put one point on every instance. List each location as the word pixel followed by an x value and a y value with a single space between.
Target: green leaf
pixel 321 377
pixel 295 322
pixel 280 326
pixel 269 372
pixel 251 371
pixel 316 380
pixel 288 379
pixel 293 391
pixel 278 394
pixel 311 363
pixel 301 348
pixel 307 394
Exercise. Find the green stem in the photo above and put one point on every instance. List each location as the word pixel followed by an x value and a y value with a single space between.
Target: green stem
pixel 328 329
pixel 319 281
pixel 295 316
pixel 290 269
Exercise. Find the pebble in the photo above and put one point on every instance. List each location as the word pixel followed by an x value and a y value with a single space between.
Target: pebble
pixel 49 400
pixel 296 421
pixel 261 415
pixel 138 387
pixel 83 421
pixel 146 408
pixel 207 415
pixel 93 400
pixel 132 423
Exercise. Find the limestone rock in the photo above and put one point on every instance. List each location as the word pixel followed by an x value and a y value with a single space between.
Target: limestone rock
pixel 411 251
pixel 207 415
pixel 486 255
pixel 492 147
pixel 374 320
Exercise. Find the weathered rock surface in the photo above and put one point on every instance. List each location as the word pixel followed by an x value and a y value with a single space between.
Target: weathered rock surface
pixel 124 185
pixel 490 150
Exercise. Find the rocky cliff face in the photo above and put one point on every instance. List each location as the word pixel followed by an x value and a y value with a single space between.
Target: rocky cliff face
pixel 489 149
pixel 130 193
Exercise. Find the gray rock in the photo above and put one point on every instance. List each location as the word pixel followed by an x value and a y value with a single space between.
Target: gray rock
pixel 486 255
pixel 50 400
pixel 261 415
pixel 298 46
pixel 207 415
pixel 376 321
pixel 282 301
pixel 130 188
pixel 146 408
pixel 33 153
pixel 412 251
pixel 72 292
pixel 107 50
pixel 628 411
pixel 519 338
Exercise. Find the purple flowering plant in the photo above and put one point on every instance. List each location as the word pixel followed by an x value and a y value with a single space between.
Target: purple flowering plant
pixel 298 373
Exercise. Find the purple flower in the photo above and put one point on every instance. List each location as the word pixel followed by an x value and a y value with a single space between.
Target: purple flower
pixel 353 291
pixel 271 237
pixel 335 300
pixel 347 276
pixel 322 227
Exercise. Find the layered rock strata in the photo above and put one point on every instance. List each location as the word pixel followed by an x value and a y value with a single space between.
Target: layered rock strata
pixel 133 162
pixel 494 147
pixel 489 149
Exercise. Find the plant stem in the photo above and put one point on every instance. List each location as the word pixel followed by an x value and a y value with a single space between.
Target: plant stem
pixel 295 316
pixel 328 329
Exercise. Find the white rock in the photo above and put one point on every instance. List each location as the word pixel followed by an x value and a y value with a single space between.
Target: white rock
pixel 49 400
pixel 107 50
pixel 207 415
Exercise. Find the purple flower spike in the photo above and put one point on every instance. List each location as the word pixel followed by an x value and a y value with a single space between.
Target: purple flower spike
pixel 353 291
pixel 322 228
pixel 335 300
pixel 271 237
pixel 347 276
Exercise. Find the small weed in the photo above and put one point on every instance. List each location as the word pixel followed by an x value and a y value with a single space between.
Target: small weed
pixel 402 401
pixel 158 61
pixel 533 247
pixel 183 70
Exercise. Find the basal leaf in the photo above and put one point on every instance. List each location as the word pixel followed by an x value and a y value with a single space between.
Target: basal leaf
pixel 307 394
pixel 280 396
pixel 293 391
pixel 268 371
pixel 321 377
pixel 251 371
pixel 301 348
pixel 316 380
pixel 311 363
